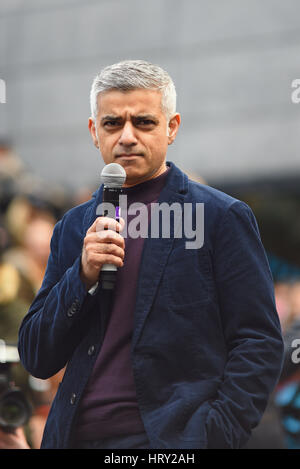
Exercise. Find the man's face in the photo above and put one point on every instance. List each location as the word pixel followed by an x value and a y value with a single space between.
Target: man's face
pixel 131 129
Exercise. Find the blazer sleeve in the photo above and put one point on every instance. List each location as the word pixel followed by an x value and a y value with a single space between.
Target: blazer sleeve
pixel 51 330
pixel 251 329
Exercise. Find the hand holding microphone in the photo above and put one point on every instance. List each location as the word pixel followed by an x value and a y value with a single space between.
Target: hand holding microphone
pixel 103 246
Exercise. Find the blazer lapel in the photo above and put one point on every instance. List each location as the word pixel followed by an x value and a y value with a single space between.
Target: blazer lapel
pixel 154 258
pixel 91 213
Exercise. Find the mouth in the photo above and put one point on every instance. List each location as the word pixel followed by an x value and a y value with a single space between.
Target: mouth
pixel 129 155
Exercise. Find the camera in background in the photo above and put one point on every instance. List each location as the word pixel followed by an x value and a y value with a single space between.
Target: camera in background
pixel 15 409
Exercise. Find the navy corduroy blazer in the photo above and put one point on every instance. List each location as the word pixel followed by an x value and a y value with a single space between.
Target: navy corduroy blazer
pixel 206 348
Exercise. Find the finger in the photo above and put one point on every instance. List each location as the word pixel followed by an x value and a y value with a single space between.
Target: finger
pixel 102 223
pixel 105 248
pixel 106 223
pixel 98 260
pixel 122 223
pixel 105 236
pixel 111 259
pixel 109 236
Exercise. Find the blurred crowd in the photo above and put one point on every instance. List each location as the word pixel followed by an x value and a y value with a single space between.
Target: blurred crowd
pixel 29 209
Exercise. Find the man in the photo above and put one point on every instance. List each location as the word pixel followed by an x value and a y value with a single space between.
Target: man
pixel 192 346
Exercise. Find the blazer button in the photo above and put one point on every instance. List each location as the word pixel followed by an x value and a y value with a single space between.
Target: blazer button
pixel 91 350
pixel 72 310
pixel 73 398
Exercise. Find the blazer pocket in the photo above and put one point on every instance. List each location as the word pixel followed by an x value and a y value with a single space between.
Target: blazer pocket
pixel 189 280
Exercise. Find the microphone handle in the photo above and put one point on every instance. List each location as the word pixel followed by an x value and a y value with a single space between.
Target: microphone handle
pixel 108 272
pixel 111 195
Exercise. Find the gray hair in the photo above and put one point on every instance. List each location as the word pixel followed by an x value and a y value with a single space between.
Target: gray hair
pixel 135 74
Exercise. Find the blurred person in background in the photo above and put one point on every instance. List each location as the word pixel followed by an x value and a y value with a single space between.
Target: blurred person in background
pixel 15 440
pixel 25 250
pixel 280 425
pixel 282 296
pixel 11 173
pixel 28 216
pixel 31 229
pixel 31 226
pixel 270 434
pixel 13 305
pixel 12 311
pixel 287 396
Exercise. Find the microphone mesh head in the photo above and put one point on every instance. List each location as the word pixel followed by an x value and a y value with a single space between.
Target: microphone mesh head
pixel 113 175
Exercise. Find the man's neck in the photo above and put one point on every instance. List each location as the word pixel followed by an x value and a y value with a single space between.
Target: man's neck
pixel 161 170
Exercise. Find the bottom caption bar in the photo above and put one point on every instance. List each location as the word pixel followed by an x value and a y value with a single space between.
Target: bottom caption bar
pixel 133 458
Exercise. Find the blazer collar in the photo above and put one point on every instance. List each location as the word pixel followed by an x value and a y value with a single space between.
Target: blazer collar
pixel 176 186
pixel 155 251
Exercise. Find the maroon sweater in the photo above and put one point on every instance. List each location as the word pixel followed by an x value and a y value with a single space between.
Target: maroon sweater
pixel 109 405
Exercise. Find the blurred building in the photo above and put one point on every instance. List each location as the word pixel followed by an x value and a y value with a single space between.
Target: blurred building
pixel 233 64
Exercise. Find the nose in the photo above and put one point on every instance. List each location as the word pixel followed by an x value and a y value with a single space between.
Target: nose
pixel 127 137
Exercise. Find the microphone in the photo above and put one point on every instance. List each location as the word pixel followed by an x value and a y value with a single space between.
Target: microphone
pixel 113 177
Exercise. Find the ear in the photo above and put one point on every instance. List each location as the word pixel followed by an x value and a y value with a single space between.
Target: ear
pixel 93 133
pixel 173 127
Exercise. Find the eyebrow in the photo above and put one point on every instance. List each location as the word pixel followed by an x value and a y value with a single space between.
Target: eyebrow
pixel 137 118
pixel 146 117
pixel 110 118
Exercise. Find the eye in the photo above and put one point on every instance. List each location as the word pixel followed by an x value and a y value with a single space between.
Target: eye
pixel 111 123
pixel 145 123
